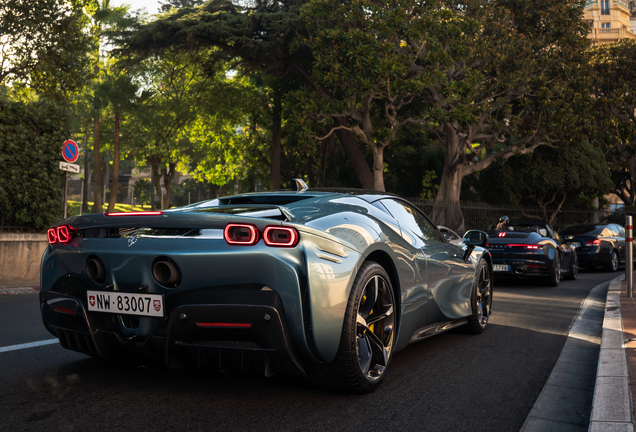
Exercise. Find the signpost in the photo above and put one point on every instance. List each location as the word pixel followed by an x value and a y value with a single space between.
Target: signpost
pixel 70 153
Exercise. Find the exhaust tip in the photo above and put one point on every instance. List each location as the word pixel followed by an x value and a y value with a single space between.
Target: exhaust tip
pixel 166 272
pixel 95 269
pixel 519 270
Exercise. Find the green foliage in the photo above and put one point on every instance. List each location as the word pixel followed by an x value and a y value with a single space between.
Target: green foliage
pixel 141 190
pixel 547 177
pixel 429 186
pixel 613 81
pixel 45 45
pixel 31 183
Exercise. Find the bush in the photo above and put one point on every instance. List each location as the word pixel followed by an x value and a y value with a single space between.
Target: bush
pixel 31 183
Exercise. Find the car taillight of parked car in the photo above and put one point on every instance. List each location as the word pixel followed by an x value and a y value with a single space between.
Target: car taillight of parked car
pixel 62 234
pixel 596 242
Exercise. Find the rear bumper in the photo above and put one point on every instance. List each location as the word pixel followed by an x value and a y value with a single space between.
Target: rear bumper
pixel 187 334
pixel 522 267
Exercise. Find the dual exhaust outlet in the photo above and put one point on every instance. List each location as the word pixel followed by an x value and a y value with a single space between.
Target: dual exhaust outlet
pixel 164 270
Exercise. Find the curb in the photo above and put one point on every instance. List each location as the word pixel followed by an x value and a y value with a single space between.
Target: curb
pixel 20 290
pixel 612 405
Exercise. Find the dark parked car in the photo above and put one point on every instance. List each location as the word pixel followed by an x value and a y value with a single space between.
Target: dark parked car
pixel 327 284
pixel 598 245
pixel 532 249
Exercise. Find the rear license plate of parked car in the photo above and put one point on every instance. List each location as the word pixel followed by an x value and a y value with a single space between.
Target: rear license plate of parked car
pixel 500 267
pixel 125 303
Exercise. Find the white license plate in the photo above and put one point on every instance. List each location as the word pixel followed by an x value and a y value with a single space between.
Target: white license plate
pixel 500 267
pixel 125 303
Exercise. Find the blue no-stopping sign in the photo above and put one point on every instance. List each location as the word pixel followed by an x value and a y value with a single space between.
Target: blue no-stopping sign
pixel 70 151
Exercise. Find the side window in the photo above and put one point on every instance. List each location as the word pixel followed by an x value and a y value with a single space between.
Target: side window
pixel 413 219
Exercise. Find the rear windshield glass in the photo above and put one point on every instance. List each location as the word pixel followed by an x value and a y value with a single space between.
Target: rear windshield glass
pixel 252 211
pixel 590 230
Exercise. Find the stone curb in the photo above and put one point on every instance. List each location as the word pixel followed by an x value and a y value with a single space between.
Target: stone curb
pixel 612 405
pixel 20 290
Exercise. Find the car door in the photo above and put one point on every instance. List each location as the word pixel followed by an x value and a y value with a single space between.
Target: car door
pixel 448 277
pixel 566 250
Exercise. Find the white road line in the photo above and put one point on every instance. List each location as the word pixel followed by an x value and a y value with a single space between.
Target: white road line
pixel 28 345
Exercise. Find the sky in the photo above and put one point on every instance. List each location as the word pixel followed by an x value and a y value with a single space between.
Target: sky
pixel 152 6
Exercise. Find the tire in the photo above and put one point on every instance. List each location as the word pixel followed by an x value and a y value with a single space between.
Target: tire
pixel 480 300
pixel 612 266
pixel 574 267
pixel 368 335
pixel 555 273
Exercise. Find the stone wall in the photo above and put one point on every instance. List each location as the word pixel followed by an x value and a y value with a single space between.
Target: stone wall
pixel 20 256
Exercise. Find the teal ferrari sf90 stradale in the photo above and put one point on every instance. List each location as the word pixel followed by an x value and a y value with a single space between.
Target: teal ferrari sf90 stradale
pixel 326 284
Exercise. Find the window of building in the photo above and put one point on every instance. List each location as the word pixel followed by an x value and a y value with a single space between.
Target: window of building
pixel 605 25
pixel 605 10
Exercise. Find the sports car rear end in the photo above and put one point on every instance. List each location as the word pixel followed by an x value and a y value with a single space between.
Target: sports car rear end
pixel 111 288
pixel 520 254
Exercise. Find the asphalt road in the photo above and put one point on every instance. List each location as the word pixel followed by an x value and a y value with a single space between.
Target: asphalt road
pixel 450 382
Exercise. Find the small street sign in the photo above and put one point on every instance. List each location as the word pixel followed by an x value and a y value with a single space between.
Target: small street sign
pixel 70 151
pixel 69 167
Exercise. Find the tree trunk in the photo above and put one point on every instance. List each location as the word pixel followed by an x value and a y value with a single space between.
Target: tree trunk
pixel 378 167
pixel 114 184
pixel 87 176
pixel 156 180
pixel 97 169
pixel 594 214
pixel 355 156
pixel 168 176
pixel 446 210
pixel 274 177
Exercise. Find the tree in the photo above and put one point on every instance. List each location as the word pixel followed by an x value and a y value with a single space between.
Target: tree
pixel 517 88
pixel 166 6
pixel 119 92
pixel 613 81
pixel 549 177
pixel 176 86
pixel 368 66
pixel 257 37
pixel 44 45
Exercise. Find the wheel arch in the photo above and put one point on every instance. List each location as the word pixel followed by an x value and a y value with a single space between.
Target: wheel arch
pixel 384 259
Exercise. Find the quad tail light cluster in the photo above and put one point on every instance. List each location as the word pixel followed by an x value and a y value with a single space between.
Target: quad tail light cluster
pixel 61 234
pixel 248 235
pixel 514 245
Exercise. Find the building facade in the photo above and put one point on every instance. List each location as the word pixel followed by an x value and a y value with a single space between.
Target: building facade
pixel 609 20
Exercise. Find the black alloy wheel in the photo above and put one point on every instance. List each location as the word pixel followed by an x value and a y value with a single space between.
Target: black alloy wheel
pixel 574 267
pixel 481 300
pixel 555 275
pixel 368 335
pixel 612 266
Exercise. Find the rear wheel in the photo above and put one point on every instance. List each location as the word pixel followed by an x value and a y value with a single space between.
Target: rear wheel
pixel 574 267
pixel 555 273
pixel 368 335
pixel 612 266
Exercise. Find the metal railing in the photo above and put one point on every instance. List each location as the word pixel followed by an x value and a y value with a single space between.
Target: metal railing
pixel 482 216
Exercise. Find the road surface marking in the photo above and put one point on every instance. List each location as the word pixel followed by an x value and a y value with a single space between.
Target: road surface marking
pixel 28 345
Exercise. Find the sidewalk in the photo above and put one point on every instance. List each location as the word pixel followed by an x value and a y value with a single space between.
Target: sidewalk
pixel 612 407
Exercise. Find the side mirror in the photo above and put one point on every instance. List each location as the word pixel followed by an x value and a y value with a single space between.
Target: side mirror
pixel 472 239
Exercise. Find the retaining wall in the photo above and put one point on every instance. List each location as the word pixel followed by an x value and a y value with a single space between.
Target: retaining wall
pixel 20 256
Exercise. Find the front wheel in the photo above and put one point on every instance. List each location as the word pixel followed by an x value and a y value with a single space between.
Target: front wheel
pixel 368 335
pixel 480 300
